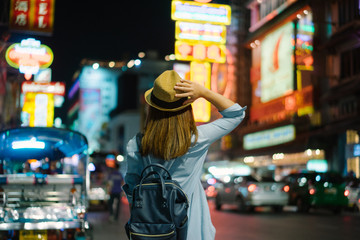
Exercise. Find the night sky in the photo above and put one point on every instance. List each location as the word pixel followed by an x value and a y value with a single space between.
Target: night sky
pixel 105 30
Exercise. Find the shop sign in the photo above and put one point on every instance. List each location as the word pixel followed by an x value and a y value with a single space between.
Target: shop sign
pixel 300 102
pixel 200 73
pixel 29 56
pixel 193 51
pixel 32 15
pixel 356 152
pixel 270 137
pixel 201 12
pixel 318 165
pixel 203 32
pixel 56 88
pixel 38 110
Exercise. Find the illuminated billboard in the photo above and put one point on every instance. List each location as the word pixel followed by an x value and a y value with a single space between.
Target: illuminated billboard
pixel 269 137
pixel 277 65
pixel 204 32
pixel 29 56
pixel 200 73
pixel 38 110
pixel 32 15
pixel 201 12
pixel 195 51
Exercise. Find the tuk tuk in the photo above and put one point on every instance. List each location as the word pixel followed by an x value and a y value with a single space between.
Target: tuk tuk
pixel 44 181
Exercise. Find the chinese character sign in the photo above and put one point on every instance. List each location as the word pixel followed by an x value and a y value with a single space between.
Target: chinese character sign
pixel 32 15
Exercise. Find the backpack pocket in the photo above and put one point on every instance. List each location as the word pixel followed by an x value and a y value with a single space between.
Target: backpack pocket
pixel 182 231
pixel 147 231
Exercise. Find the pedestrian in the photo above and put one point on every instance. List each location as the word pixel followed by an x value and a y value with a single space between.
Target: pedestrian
pixel 115 181
pixel 171 138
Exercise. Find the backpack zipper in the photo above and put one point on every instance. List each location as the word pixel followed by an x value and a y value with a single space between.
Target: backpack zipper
pixel 157 235
pixel 148 184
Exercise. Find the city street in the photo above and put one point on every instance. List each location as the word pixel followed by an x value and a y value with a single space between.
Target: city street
pixel 260 225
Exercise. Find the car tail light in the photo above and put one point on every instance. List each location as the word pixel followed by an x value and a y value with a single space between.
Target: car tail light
pixel 312 191
pixel 346 193
pixel 286 188
pixel 252 187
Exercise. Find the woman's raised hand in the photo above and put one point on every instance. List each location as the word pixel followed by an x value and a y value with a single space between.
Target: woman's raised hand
pixel 190 89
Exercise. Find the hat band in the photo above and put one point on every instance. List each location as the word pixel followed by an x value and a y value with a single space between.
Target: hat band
pixel 167 105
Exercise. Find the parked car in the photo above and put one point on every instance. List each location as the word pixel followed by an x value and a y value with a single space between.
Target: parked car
pixel 248 192
pixel 317 190
pixel 353 191
pixel 44 183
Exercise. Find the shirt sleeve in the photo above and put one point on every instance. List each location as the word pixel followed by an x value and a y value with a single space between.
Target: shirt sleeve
pixel 132 176
pixel 232 117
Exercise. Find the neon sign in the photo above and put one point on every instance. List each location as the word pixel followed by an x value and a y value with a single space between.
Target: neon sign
pixel 200 32
pixel 200 12
pixel 29 56
pixel 270 137
pixel 190 51
pixel 56 88
pixel 200 73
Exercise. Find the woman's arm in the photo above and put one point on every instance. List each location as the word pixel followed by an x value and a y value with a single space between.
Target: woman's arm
pixel 193 91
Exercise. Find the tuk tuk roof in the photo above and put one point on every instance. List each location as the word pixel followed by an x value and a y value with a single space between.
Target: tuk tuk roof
pixel 40 142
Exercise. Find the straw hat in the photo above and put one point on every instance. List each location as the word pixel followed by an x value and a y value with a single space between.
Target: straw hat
pixel 162 95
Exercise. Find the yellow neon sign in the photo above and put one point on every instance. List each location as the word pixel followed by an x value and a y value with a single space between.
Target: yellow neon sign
pixel 193 51
pixel 200 72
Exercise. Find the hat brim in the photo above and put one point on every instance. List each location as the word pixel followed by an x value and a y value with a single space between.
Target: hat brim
pixel 147 96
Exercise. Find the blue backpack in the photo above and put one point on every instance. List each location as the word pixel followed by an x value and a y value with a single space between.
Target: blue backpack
pixel 159 207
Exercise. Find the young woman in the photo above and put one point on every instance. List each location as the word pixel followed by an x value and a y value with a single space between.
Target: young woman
pixel 171 138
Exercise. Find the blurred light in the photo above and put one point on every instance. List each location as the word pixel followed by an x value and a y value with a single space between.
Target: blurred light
pixel 57 122
pixel 309 152
pixel 120 158
pixel 317 178
pixel 111 64
pixel 95 66
pixel 227 179
pixel 253 45
pixel 211 181
pixel 257 42
pixel 28 144
pixel 346 193
pixel 286 188
pixel 312 191
pixel 317 151
pixel 141 54
pixel 91 167
pixel 167 58
pixel 172 57
pixel 278 156
pixel 252 187
pixel 130 64
pixel 306 12
pixel 298 16
pixel 326 184
pixel 248 159
pixel 137 62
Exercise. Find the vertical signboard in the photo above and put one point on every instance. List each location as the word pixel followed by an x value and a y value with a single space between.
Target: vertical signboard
pixel 277 65
pixel 200 73
pixel 200 34
pixel 32 15
pixel 38 110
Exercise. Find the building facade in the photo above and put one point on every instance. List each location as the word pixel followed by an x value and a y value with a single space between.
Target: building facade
pixel 304 75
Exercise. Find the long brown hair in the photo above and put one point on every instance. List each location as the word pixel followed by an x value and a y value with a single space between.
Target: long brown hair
pixel 167 135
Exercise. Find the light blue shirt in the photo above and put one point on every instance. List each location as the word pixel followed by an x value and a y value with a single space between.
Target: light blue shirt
pixel 187 170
